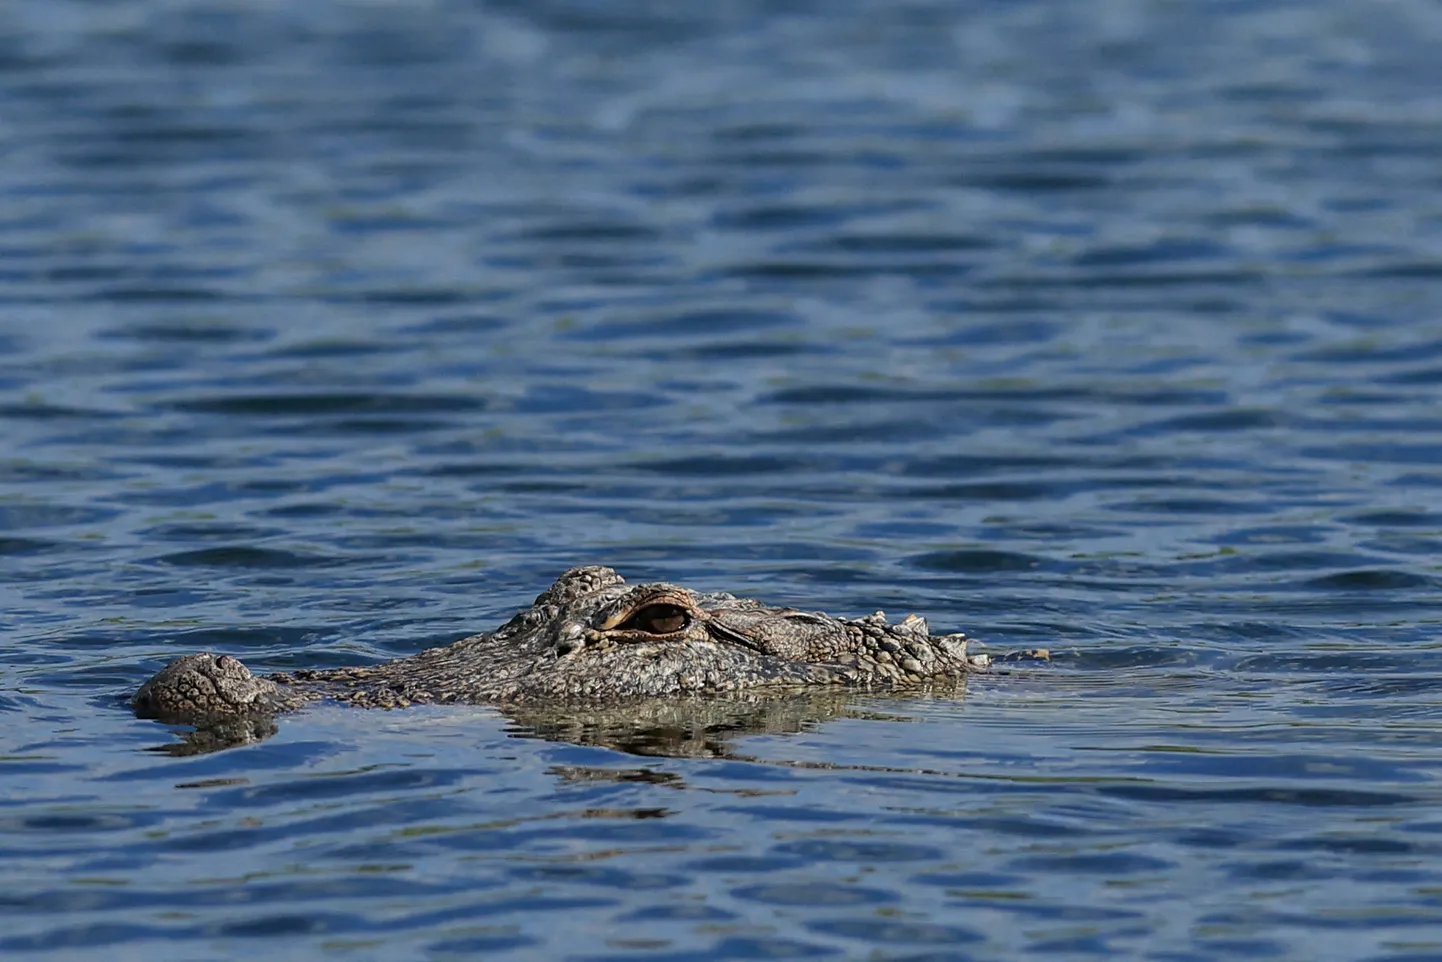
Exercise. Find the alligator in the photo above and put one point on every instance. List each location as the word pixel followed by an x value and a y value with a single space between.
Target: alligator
pixel 589 640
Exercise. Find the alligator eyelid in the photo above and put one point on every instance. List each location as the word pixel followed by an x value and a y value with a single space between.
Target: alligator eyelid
pixel 657 618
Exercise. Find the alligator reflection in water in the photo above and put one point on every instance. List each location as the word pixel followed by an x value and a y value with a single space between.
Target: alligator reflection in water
pixel 659 658
pixel 689 726
pixel 693 727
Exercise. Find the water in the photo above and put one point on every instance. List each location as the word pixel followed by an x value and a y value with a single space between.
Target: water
pixel 335 330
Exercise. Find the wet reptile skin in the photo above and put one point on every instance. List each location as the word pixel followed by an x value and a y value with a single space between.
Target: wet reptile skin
pixel 592 639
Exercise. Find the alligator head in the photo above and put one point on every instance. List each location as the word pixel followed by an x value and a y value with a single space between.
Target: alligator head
pixel 593 639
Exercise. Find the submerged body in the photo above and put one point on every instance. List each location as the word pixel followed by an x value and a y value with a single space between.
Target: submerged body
pixel 592 639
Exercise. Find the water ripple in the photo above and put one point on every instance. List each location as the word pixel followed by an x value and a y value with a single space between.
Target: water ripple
pixel 335 331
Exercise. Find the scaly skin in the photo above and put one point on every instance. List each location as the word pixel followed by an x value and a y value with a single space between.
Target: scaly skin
pixel 591 639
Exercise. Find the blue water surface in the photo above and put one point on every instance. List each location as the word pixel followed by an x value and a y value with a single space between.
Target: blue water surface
pixel 332 330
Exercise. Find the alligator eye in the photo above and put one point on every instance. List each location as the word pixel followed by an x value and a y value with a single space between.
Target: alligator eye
pixel 658 619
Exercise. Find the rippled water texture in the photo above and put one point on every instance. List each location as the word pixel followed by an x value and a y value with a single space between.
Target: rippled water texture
pixel 333 330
